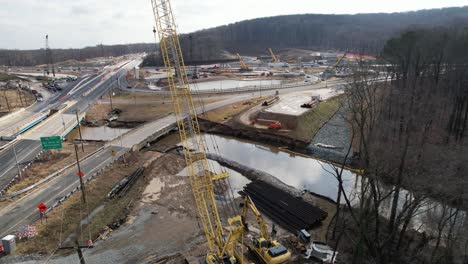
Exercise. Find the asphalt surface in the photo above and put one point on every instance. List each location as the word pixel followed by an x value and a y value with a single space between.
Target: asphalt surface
pixel 26 151
pixel 23 211
pixel 83 90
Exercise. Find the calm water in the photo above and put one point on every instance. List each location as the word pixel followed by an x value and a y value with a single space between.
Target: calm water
pixel 231 84
pixel 309 174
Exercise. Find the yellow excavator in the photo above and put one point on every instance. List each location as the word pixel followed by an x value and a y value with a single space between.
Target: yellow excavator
pixel 267 249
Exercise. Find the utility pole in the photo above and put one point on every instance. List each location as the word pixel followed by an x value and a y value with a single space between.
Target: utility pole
pixel 79 129
pixel 6 100
pixel 16 160
pixel 80 253
pixel 110 98
pixel 80 174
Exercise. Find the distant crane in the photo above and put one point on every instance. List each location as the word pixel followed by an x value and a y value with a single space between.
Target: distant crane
pixel 243 65
pixel 273 56
pixel 50 61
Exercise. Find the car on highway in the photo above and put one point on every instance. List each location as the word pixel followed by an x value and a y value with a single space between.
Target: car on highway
pixel 129 87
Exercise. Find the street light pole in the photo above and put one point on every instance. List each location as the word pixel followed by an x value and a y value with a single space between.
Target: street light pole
pixel 79 129
pixel 80 175
pixel 110 98
pixel 16 160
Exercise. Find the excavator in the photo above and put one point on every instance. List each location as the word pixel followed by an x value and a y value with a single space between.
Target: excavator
pixel 267 249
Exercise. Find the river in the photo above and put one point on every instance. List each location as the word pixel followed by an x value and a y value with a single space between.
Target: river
pixel 306 173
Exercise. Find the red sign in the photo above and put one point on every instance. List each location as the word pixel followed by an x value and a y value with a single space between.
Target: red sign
pixel 80 174
pixel 42 207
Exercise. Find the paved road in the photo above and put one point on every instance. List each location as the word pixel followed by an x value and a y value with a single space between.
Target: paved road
pixel 85 91
pixel 26 151
pixel 23 211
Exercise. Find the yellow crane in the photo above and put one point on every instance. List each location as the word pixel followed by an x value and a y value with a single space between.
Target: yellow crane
pixel 268 250
pixel 273 56
pixel 222 241
pixel 243 65
pixel 339 60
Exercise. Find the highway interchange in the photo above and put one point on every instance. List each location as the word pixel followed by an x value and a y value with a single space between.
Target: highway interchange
pixel 85 91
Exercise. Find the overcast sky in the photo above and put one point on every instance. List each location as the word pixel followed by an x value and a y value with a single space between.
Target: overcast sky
pixel 80 23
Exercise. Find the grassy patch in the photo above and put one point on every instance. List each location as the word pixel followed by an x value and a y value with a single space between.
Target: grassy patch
pixel 50 163
pixel 136 112
pixel 227 112
pixel 11 99
pixel 310 122
pixel 64 220
pixel 7 77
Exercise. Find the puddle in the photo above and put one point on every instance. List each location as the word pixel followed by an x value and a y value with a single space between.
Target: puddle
pixel 153 190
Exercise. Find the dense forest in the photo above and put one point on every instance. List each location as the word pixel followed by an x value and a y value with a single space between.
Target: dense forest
pixel 360 32
pixel 36 57
pixel 409 130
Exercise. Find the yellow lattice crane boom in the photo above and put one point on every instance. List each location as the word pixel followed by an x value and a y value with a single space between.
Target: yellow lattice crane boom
pixel 273 56
pixel 221 244
pixel 243 65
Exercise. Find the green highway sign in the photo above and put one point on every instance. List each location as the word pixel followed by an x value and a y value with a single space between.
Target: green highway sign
pixel 54 142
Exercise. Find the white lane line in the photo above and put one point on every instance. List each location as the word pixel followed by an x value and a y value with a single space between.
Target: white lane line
pixel 14 165
pixel 54 197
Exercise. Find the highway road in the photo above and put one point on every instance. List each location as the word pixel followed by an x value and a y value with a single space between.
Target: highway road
pixel 85 91
pixel 24 211
pixel 26 151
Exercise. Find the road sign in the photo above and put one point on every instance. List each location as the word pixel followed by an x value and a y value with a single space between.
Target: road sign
pixel 80 174
pixel 42 207
pixel 54 142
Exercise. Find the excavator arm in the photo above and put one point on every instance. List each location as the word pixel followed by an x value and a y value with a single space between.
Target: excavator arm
pixel 248 204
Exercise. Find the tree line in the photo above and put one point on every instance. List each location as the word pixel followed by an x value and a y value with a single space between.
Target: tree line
pixel 410 138
pixel 251 37
pixel 37 57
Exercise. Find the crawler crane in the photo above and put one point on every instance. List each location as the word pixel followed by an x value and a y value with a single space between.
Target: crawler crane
pixel 223 242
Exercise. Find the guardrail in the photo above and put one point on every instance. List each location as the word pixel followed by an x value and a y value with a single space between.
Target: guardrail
pixel 51 176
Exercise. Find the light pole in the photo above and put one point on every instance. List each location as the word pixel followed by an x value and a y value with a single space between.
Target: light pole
pixel 16 160
pixel 79 129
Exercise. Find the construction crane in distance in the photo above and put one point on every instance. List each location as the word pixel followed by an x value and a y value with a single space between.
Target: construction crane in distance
pixel 222 241
pixel 273 56
pixel 243 65
pixel 50 62
pixel 339 60
pixel 268 250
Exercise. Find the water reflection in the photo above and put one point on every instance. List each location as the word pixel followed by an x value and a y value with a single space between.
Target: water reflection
pixel 231 84
pixel 315 176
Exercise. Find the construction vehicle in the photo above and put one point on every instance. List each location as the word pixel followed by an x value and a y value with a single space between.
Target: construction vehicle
pixel 270 251
pixel 273 56
pixel 243 66
pixel 222 240
pixel 330 71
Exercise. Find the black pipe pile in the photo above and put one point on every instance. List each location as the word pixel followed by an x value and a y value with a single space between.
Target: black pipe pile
pixel 121 188
pixel 290 212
